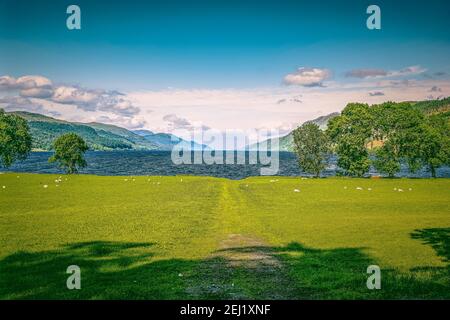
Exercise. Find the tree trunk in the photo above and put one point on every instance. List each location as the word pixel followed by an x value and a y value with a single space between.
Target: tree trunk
pixel 433 171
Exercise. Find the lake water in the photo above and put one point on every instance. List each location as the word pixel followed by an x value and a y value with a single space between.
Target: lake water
pixel 159 163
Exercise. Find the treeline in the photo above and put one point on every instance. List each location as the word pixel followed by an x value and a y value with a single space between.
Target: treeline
pixel 384 135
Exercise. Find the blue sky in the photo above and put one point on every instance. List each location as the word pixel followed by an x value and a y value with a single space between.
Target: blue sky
pixel 155 44
pixel 150 49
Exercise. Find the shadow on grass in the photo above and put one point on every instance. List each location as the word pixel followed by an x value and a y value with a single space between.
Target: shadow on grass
pixel 118 270
pixel 437 238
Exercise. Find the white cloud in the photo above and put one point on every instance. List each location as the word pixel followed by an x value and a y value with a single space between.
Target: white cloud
pixel 28 86
pixel 307 77
pixel 28 82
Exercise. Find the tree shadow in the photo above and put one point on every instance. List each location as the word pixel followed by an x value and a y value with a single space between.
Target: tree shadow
pixel 123 270
pixel 437 238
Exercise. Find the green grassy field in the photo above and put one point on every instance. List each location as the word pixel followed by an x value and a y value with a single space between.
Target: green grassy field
pixel 209 238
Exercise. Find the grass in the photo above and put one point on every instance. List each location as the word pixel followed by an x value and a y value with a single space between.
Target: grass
pixel 209 238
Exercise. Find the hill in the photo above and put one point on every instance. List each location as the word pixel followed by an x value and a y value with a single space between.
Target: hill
pixel 432 107
pixel 167 141
pixel 98 136
pixel 286 143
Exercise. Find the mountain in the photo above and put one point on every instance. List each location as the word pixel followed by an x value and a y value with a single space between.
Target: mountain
pixel 433 107
pixel 286 143
pixel 98 136
pixel 166 140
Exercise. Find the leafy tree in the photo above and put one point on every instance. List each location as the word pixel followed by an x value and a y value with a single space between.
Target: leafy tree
pixel 387 160
pixel 312 147
pixel 350 132
pixel 397 126
pixel 432 145
pixel 15 139
pixel 69 152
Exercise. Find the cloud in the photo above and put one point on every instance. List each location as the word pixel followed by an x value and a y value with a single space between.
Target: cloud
pixel 177 123
pixel 85 99
pixel 130 123
pixel 380 73
pixel 28 86
pixel 24 104
pixel 376 93
pixel 29 82
pixel 37 92
pixel 95 100
pixel 435 89
pixel 295 99
pixel 7 82
pixel 366 73
pixel 307 77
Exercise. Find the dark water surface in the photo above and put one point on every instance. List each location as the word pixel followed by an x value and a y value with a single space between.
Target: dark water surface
pixel 160 163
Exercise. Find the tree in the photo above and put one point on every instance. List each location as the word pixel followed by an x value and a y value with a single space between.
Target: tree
pixel 387 160
pixel 15 139
pixel 69 152
pixel 312 148
pixel 432 148
pixel 350 132
pixel 397 126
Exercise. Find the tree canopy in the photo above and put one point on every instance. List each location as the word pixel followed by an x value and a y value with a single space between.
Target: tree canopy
pixel 69 152
pixel 15 139
pixel 350 132
pixel 312 148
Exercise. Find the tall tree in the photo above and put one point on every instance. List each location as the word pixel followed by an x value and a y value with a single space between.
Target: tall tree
pixel 69 152
pixel 396 126
pixel 312 148
pixel 350 132
pixel 15 139
pixel 432 144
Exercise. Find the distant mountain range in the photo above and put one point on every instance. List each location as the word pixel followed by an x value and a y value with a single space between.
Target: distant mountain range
pixel 99 136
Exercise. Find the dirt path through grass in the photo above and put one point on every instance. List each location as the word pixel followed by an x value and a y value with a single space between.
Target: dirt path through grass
pixel 244 266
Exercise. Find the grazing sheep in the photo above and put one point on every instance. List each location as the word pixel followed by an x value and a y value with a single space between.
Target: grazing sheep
pixel 4 187
pixel 359 188
pixel 370 189
pixel 296 190
pixel 400 190
pixel 45 186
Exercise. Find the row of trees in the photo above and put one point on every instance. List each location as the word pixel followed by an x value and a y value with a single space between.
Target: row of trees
pixel 16 142
pixel 393 133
